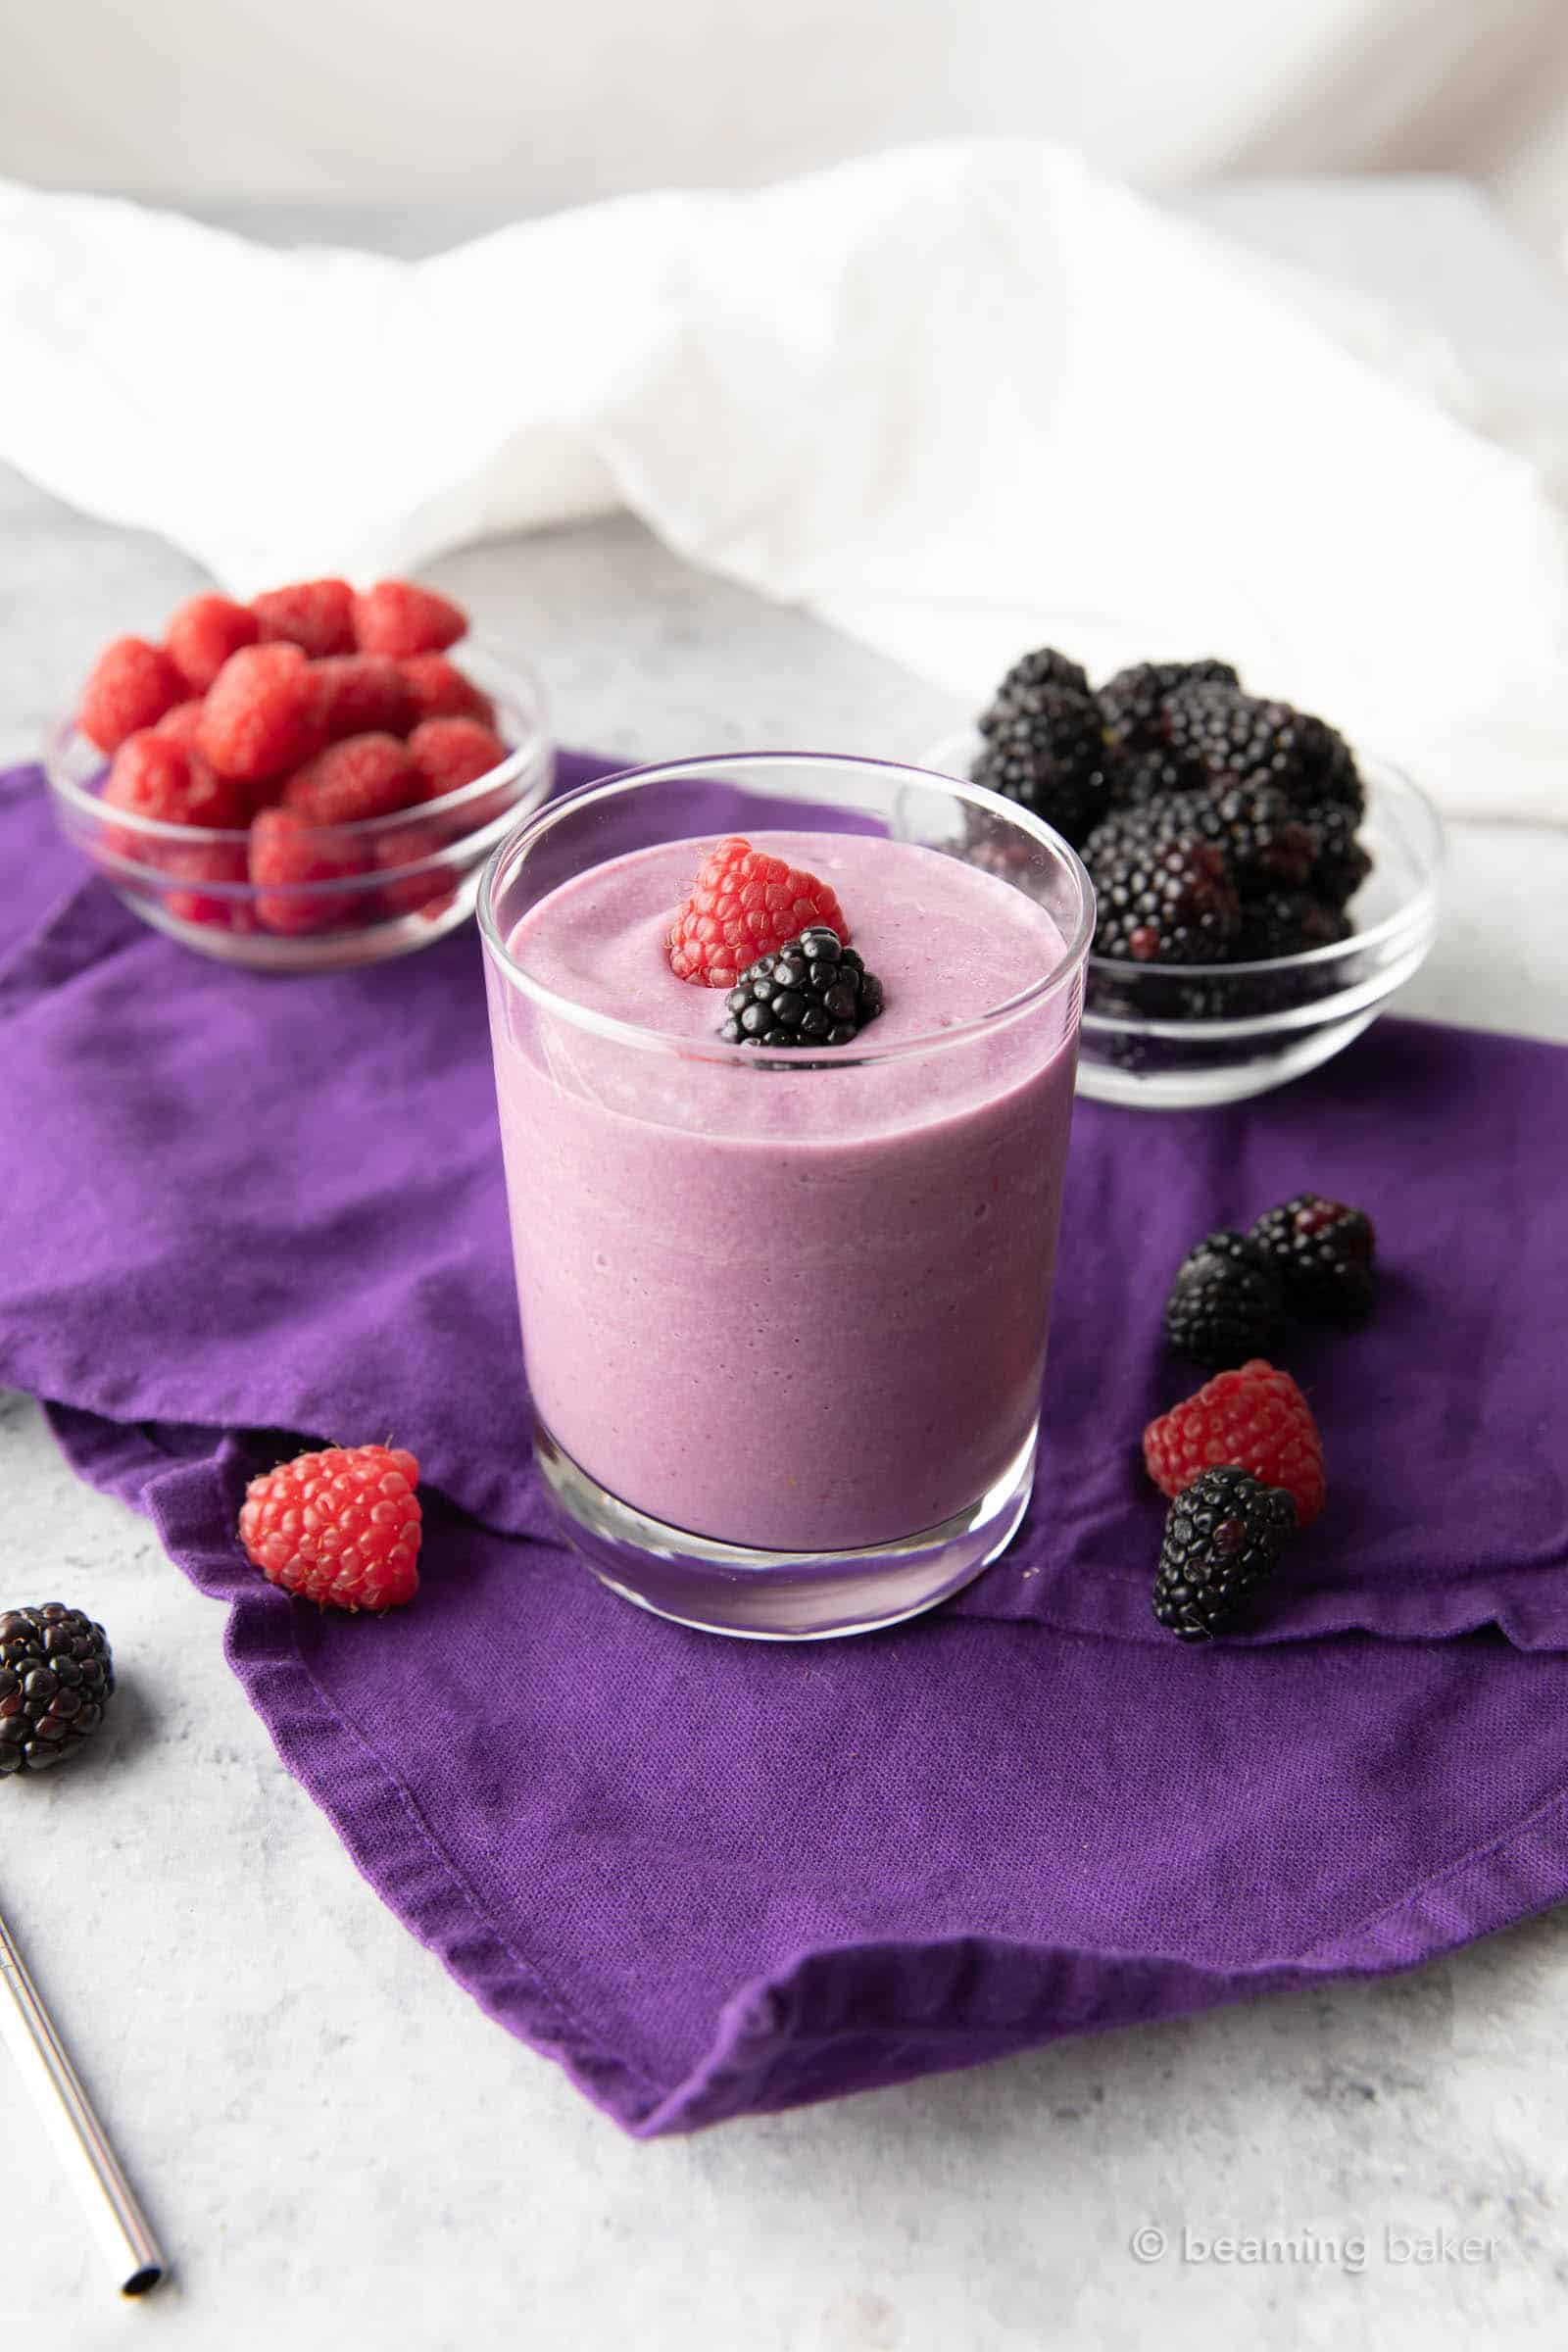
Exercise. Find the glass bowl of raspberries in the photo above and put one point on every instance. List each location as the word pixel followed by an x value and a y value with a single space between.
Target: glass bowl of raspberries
pixel 1262 890
pixel 309 781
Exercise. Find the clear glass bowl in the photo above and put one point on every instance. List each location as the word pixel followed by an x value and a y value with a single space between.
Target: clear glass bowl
pixel 1174 1037
pixel 417 871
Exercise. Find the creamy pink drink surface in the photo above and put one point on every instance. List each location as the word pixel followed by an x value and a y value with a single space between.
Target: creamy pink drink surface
pixel 793 1307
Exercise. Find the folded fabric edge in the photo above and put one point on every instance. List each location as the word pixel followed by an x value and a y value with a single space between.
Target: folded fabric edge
pixel 832 2019
pixel 1428 1609
pixel 119 1458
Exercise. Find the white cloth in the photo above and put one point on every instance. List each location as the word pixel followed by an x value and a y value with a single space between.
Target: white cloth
pixel 956 400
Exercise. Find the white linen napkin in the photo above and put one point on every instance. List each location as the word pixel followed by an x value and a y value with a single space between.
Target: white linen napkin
pixel 958 400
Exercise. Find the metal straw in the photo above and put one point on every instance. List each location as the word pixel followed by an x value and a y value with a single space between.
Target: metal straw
pixel 118 2220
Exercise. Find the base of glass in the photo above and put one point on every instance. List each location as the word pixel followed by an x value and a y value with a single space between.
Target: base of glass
pixel 780 1596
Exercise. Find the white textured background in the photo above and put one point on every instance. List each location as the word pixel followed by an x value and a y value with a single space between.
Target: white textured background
pixel 533 105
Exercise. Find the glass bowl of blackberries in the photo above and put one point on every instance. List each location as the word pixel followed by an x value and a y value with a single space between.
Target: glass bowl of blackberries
pixel 1262 888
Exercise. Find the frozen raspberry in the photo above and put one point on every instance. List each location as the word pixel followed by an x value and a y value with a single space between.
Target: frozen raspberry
pixel 201 635
pixel 401 854
pixel 154 776
pixel 449 753
pixel 397 617
pixel 441 691
pixel 318 616
pixel 364 777
pixel 291 861
pixel 260 715
pixel 133 684
pixel 341 1528
pixel 363 694
pixel 743 904
pixel 198 866
pixel 179 725
pixel 1253 1419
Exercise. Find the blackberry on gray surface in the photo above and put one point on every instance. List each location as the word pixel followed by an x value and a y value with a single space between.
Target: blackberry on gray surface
pixel 1322 1252
pixel 1287 922
pixel 1225 1306
pixel 1048 753
pixel 1133 701
pixel 1230 736
pixel 813 990
pixel 1223 1537
pixel 55 1678
pixel 1339 865
pixel 1162 897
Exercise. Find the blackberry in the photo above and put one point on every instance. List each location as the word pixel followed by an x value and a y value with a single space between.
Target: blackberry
pixel 1044 671
pixel 1133 701
pixel 1230 736
pixel 1225 1306
pixel 1047 751
pixel 1322 1253
pixel 1339 865
pixel 1223 1534
pixel 1287 922
pixel 1266 847
pixel 1163 897
pixel 1136 778
pixel 813 990
pixel 55 1678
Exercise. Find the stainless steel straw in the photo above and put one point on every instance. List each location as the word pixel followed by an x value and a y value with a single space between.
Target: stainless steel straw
pixel 118 2220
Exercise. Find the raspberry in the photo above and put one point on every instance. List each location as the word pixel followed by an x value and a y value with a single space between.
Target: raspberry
pixel 55 1678
pixel 318 616
pixel 366 776
pixel 1223 1534
pixel 201 635
pixel 449 753
pixel 341 1527
pixel 290 859
pixel 745 904
pixel 133 684
pixel 154 776
pixel 1322 1252
pixel 1254 1419
pixel 179 725
pixel 202 864
pixel 397 617
pixel 429 892
pixel 260 716
pixel 363 694
pixel 441 691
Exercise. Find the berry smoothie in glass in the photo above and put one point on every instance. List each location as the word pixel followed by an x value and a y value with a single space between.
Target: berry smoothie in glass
pixel 784 1054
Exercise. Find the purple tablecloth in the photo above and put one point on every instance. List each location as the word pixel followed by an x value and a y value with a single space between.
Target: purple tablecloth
pixel 714 1877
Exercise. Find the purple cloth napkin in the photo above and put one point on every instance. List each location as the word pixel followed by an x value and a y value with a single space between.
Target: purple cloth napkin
pixel 714 1877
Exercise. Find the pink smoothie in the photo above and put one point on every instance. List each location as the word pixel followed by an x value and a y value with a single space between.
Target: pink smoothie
pixel 801 1309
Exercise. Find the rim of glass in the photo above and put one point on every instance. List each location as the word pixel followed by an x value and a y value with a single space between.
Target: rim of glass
pixel 522 689
pixel 717 1049
pixel 1384 774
